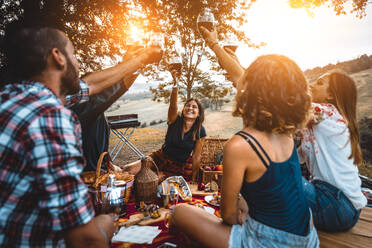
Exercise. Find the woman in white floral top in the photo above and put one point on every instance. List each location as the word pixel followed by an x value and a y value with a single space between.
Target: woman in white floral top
pixel 330 148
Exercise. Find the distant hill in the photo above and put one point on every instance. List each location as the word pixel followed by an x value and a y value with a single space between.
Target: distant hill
pixel 360 69
pixel 363 80
pixel 361 63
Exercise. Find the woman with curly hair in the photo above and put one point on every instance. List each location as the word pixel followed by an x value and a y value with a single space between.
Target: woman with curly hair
pixel 260 165
pixel 330 148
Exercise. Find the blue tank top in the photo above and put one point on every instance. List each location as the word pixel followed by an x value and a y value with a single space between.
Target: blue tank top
pixel 277 199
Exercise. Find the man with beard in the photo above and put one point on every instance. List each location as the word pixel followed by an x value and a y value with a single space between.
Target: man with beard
pixel 44 202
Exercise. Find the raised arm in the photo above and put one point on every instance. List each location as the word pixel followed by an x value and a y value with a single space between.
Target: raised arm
pixel 173 103
pixel 227 62
pixel 100 80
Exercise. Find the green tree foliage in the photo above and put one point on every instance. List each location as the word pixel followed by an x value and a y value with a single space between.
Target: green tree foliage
pixel 357 6
pixel 97 28
pixel 177 20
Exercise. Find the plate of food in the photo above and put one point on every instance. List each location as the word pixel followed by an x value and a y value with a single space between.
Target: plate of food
pixel 180 185
pixel 213 200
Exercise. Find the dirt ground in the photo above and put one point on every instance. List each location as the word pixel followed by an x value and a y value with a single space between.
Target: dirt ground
pixel 146 140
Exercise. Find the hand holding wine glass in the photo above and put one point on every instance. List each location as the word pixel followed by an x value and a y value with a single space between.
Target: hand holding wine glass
pixel 151 54
pixel 156 42
pixel 209 36
pixel 175 67
pixel 206 19
pixel 132 51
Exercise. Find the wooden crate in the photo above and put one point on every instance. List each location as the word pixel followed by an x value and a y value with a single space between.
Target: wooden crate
pixel 211 150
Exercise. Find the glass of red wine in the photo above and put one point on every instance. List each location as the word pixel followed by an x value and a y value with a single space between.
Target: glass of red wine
pixel 206 19
pixel 157 40
pixel 175 63
pixel 231 43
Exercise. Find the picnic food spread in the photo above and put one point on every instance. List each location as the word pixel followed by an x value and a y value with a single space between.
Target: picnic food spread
pixel 218 167
pixel 214 200
pixel 180 185
pixel 149 210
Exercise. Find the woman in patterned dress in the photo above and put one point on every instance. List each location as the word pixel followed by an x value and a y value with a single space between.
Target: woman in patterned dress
pixel 330 148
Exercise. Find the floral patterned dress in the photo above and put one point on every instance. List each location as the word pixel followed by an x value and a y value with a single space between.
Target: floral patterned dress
pixel 326 147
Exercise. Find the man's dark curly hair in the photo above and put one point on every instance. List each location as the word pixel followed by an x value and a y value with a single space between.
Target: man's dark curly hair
pixel 27 48
pixel 273 95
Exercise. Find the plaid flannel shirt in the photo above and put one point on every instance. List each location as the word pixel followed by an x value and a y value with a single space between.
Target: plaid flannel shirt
pixel 41 160
pixel 80 97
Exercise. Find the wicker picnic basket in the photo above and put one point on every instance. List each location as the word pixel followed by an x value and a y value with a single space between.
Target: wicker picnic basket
pixel 211 154
pixel 98 178
pixel 146 181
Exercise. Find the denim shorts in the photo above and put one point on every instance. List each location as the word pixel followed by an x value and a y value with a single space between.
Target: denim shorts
pixel 332 210
pixel 255 234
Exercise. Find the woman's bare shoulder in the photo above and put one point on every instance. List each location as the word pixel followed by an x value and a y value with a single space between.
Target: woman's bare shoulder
pixel 238 148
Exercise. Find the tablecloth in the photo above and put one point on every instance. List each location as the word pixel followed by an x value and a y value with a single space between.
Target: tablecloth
pixel 180 239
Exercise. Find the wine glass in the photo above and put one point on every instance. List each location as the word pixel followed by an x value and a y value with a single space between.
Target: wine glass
pixel 156 40
pixel 231 42
pixel 135 36
pixel 205 19
pixel 175 63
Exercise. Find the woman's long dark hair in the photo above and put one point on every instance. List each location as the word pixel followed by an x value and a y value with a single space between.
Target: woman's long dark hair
pixel 344 93
pixel 196 127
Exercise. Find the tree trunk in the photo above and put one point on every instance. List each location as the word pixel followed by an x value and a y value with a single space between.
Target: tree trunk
pixel 189 91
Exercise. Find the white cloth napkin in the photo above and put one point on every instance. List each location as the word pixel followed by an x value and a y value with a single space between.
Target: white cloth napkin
pixel 137 234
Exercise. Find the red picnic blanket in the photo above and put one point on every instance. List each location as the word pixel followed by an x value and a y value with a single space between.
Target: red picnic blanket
pixel 180 240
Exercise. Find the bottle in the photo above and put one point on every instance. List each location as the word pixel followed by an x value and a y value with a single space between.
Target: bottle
pixel 112 200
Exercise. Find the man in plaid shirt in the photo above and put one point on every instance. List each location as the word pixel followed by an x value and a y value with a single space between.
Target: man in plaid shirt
pixel 43 201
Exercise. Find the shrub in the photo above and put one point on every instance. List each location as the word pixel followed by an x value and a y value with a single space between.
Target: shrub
pixel 365 126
